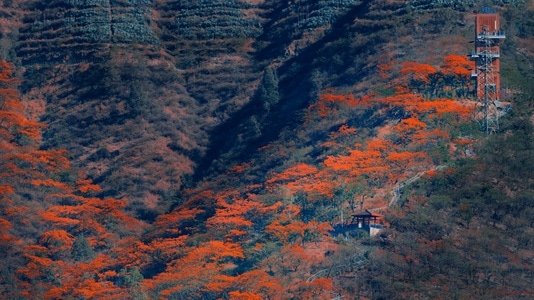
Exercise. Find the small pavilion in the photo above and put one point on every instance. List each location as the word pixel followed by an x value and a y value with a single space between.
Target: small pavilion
pixel 364 219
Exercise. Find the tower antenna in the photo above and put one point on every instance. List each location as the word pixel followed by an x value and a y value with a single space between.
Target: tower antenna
pixel 486 55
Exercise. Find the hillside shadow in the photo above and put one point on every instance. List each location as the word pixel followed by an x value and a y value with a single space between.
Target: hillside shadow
pixel 296 90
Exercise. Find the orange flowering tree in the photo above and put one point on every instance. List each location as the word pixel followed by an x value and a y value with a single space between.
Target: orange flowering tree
pixel 55 230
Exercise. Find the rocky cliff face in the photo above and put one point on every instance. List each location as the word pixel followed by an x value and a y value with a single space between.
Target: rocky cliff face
pixel 72 31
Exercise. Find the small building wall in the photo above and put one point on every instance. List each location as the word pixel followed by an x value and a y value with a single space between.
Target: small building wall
pixel 375 229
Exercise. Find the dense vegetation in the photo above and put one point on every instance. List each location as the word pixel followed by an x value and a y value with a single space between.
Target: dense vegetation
pixel 210 148
pixel 466 233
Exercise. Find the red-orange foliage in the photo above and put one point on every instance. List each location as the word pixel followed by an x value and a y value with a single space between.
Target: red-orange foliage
pixel 419 105
pixel 260 283
pixel 51 183
pixel 417 71
pixel 89 215
pixel 317 187
pixel 86 186
pixel 4 224
pixel 236 295
pixel 232 217
pixel 285 229
pixel 13 122
pixel 255 284
pixel 16 127
pixel 284 232
pixel 429 136
pixel 384 70
pixel 130 252
pixel 289 212
pixel 7 241
pixel 379 159
pixel 197 270
pixel 329 103
pixel 431 173
pixel 240 168
pixel 198 264
pixel 172 222
pixel 57 240
pixel 217 250
pixel 357 160
pixel 305 178
pixel 409 125
pixel 319 288
pixel 380 145
pixel 86 280
pixel 5 189
pixel 60 210
pixel 343 130
pixel 464 141
pixel 458 65
pixel 168 248
pixel 297 171
pixel 319 229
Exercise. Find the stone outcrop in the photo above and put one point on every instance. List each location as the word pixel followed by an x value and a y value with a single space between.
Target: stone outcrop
pixel 71 31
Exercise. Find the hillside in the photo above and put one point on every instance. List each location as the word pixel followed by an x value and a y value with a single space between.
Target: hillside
pixel 205 150
pixel 105 67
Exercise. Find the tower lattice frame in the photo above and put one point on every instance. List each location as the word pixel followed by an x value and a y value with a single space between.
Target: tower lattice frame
pixel 487 69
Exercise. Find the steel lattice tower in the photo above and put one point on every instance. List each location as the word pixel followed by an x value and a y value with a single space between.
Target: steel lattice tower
pixel 486 55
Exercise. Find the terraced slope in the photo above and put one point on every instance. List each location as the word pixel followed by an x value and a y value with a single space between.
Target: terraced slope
pixel 133 88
